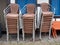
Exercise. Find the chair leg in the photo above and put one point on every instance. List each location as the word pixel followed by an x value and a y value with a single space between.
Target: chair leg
pixel 17 31
pixel 17 36
pixel 7 36
pixel 33 36
pixel 7 30
pixel 33 33
pixel 55 33
pixel 40 31
pixel 40 35
pixel 41 27
pixel 49 34
pixel 23 36
pixel 23 31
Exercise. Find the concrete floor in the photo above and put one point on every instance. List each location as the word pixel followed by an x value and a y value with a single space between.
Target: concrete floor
pixel 42 42
pixel 28 40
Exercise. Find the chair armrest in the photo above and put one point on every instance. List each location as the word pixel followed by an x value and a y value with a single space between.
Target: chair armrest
pixel 6 10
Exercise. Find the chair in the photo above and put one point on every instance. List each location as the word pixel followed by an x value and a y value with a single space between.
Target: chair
pixel 29 21
pixel 55 27
pixel 11 14
pixel 46 19
pixel 45 7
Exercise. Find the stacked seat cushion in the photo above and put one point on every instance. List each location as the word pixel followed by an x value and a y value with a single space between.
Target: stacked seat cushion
pixel 28 20
pixel 46 21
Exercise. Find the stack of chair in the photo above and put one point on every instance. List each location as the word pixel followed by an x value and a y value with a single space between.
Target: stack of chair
pixel 12 14
pixel 12 18
pixel 46 19
pixel 12 23
pixel 29 19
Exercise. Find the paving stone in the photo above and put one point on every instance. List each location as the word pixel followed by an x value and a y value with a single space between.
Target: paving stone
pixel 1 42
pixel 20 43
pixel 14 43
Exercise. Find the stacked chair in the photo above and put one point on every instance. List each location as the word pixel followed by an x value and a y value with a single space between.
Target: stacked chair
pixel 46 19
pixel 29 21
pixel 11 19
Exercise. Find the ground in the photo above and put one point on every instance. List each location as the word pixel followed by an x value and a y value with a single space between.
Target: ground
pixel 43 41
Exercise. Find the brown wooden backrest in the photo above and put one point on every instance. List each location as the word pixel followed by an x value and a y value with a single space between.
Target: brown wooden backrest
pixel 14 8
pixel 45 7
pixel 30 8
pixel 46 21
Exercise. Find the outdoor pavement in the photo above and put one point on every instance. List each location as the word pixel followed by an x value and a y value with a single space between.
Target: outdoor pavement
pixel 28 40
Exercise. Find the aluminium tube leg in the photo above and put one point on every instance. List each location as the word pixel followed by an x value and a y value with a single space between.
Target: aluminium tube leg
pixel 33 32
pixel 23 31
pixel 41 27
pixel 17 30
pixel 7 30
pixel 50 28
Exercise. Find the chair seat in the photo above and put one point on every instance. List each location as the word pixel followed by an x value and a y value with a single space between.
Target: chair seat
pixel 47 17
pixel 28 22
pixel 46 13
pixel 12 16
pixel 12 22
pixel 29 16
pixel 55 26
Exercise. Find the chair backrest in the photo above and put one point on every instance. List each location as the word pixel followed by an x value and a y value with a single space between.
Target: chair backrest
pixel 30 8
pixel 14 8
pixel 46 21
pixel 45 7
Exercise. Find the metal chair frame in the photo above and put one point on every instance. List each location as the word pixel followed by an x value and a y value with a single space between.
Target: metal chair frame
pixel 33 25
pixel 49 28
pixel 6 11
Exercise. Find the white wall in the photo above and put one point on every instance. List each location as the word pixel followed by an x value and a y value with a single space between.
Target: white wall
pixel 12 1
pixel 40 1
